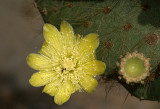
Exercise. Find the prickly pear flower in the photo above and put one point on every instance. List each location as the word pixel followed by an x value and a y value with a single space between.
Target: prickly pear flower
pixel 66 62
pixel 134 67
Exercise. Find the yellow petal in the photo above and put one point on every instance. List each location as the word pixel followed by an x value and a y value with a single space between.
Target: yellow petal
pixel 94 67
pixel 47 50
pixel 63 93
pixel 75 87
pixel 39 62
pixel 88 44
pixel 86 58
pixel 67 33
pixel 52 87
pixel 88 83
pixel 42 78
pixel 77 38
pixel 53 36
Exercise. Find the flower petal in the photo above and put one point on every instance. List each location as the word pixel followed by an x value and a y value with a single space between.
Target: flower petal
pixel 39 62
pixel 86 58
pixel 50 52
pixel 67 33
pixel 88 83
pixel 94 67
pixel 51 88
pixel 88 44
pixel 47 50
pixel 75 87
pixel 53 36
pixel 42 78
pixel 63 93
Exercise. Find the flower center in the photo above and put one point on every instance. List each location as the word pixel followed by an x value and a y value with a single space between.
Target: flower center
pixel 134 67
pixel 68 64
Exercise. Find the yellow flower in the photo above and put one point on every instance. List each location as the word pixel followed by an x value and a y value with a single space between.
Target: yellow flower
pixel 66 62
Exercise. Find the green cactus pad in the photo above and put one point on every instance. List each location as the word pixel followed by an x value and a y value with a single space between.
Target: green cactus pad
pixel 123 26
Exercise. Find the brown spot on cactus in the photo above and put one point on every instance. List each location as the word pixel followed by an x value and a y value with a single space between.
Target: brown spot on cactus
pixel 152 39
pixel 128 26
pixel 109 44
pixel 71 5
pixel 56 9
pixel 44 11
pixel 107 10
pixel 87 24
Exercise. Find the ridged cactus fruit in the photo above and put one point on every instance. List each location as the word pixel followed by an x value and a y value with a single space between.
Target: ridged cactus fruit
pixel 123 26
pixel 134 67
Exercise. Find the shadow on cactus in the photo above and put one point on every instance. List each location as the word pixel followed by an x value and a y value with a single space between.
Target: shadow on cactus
pixel 124 26
pixel 150 13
